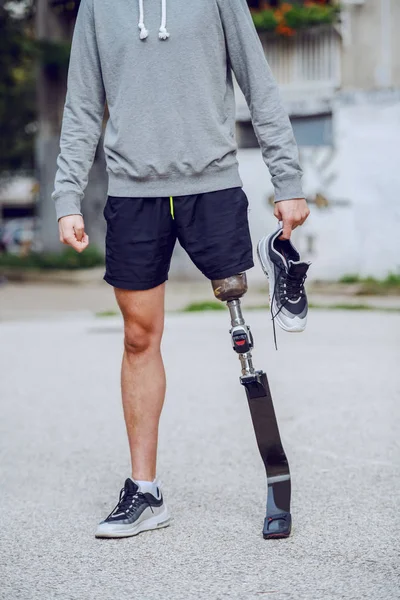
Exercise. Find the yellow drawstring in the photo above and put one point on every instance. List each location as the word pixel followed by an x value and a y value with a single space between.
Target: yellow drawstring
pixel 171 203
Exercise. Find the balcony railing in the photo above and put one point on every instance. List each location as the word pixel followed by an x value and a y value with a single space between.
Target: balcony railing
pixel 308 61
pixel 306 66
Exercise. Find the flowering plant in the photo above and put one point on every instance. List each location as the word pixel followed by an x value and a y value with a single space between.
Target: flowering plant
pixel 285 18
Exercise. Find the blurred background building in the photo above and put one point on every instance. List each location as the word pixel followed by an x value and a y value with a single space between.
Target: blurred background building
pixel 341 86
pixel 338 68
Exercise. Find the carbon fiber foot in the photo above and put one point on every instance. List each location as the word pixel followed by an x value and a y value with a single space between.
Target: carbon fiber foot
pixel 277 526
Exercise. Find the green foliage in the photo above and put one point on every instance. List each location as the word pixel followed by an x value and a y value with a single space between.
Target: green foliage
pixel 67 260
pixel 17 94
pixel 265 20
pixel 371 285
pixel 204 306
pixel 350 307
pixel 356 307
pixel 54 56
pixel 308 16
pixel 289 17
pixel 393 279
pixel 258 307
pixel 107 313
pixel 19 54
pixel 349 279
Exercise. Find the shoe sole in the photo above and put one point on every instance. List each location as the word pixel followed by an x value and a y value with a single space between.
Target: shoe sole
pixel 268 269
pixel 147 525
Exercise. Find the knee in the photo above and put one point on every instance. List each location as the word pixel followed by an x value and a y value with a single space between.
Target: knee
pixel 140 339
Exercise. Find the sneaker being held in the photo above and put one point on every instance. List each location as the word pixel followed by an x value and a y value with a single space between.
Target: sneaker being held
pixel 281 263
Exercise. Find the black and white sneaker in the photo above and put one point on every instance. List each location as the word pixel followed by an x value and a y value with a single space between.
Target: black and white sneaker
pixel 281 263
pixel 134 513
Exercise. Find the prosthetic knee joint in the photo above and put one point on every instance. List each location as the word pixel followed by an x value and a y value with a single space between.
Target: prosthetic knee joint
pixel 277 522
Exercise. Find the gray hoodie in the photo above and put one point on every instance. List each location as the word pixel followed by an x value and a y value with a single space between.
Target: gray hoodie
pixel 165 71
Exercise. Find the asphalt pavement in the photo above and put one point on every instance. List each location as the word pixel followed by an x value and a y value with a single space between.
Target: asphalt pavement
pixel 63 457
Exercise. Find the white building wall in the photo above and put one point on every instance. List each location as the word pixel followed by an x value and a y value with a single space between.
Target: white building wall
pixel 371 46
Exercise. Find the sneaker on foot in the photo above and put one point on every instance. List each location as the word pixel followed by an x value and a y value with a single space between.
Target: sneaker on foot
pixel 134 513
pixel 281 263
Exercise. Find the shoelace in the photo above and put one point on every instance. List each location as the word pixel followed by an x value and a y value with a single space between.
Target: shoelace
pixel 127 501
pixel 294 288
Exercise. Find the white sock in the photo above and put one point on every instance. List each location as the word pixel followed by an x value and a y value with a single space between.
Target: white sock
pixel 148 487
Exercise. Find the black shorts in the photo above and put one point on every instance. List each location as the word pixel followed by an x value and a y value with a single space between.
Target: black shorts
pixel 141 234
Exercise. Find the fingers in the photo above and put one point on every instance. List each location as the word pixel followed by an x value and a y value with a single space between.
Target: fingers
pixel 72 232
pixel 292 213
pixel 78 245
pixel 79 232
pixel 303 220
pixel 287 222
pixel 287 229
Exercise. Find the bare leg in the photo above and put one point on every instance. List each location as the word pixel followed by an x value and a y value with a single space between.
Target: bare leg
pixel 143 376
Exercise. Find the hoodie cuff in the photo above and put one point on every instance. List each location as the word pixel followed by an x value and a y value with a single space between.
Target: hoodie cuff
pixel 67 204
pixel 288 188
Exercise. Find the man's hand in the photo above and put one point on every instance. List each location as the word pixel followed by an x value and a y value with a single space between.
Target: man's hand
pixel 292 213
pixel 72 232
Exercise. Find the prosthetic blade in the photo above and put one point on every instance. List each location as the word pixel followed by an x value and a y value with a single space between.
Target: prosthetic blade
pixel 278 519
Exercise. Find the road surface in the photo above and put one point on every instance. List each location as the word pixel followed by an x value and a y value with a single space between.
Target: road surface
pixel 64 458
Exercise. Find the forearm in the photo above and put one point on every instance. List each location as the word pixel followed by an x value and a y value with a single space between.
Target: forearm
pixel 271 123
pixel 80 134
pixel 83 116
pixel 278 146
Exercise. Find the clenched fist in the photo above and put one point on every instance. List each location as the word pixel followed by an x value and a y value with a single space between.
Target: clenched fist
pixel 292 213
pixel 72 232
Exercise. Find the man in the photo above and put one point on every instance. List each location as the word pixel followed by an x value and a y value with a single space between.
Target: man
pixel 171 159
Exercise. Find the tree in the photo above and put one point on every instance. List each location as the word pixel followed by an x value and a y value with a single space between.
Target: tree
pixel 17 92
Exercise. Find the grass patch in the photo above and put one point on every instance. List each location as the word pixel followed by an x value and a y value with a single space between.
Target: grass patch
pixel 68 260
pixel 350 279
pixel 372 286
pixel 392 279
pixel 365 307
pixel 204 306
pixel 107 313
pixel 347 307
pixel 210 306
pixel 257 307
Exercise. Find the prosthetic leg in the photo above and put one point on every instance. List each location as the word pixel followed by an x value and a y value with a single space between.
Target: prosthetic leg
pixel 278 520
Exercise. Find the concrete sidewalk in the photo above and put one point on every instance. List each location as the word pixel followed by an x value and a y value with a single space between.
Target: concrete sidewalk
pixel 64 458
pixel 43 300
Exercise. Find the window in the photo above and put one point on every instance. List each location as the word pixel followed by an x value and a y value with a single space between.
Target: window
pixel 310 130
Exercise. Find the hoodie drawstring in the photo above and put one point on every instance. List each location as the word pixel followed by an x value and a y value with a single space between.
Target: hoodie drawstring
pixel 162 32
pixel 143 31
